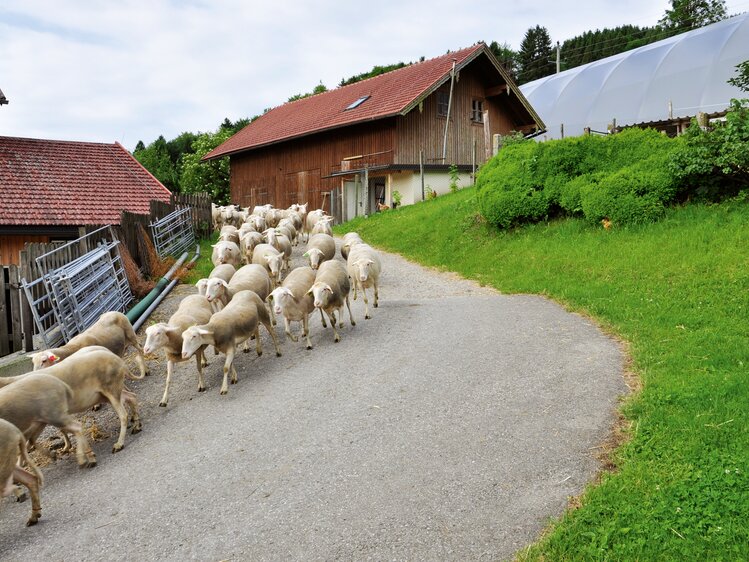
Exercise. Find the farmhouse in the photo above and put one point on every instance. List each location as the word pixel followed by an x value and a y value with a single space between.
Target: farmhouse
pixel 349 149
pixel 51 189
pixel 661 85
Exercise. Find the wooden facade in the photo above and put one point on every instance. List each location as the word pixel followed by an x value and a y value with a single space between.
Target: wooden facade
pixel 12 244
pixel 299 170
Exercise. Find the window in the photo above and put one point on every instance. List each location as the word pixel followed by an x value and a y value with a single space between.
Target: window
pixel 477 111
pixel 357 103
pixel 443 99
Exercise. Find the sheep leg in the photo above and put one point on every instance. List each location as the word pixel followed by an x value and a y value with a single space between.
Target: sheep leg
pixel 287 327
pixel 258 344
pixel 169 371
pixel 366 303
pixel 228 365
pixel 85 456
pixel 377 296
pixel 354 284
pixel 305 324
pixel 122 414
pixel 272 313
pixel 274 337
pixel 322 319
pixel 336 336
pixel 128 399
pixel 203 358
pixel 20 476
pixel 350 316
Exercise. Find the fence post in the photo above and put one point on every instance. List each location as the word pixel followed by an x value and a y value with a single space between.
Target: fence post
pixel 26 317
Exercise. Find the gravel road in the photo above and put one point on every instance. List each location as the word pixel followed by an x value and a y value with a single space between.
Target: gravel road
pixel 451 426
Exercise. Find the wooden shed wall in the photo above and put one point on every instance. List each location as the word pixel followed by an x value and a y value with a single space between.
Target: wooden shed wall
pixel 292 172
pixel 424 130
pixel 12 244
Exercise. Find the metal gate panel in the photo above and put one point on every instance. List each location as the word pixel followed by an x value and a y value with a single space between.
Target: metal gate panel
pixel 173 234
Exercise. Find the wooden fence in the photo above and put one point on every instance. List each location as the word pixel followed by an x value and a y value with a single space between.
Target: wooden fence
pixel 16 322
pixel 11 331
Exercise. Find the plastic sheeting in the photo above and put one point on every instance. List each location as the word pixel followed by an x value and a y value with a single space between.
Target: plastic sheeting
pixel 689 70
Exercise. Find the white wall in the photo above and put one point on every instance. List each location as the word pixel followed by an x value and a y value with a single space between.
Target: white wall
pixel 409 184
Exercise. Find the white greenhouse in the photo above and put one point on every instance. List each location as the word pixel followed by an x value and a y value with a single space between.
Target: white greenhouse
pixel 667 81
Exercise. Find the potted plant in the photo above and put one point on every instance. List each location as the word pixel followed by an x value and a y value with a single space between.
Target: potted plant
pixel 397 198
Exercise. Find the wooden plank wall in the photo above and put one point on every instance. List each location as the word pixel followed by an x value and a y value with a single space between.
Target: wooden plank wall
pixel 293 172
pixel 11 246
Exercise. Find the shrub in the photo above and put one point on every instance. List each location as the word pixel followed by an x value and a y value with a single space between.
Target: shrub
pixel 622 177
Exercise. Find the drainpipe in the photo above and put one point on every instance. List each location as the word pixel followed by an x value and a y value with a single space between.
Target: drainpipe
pixel 141 311
pixel 449 106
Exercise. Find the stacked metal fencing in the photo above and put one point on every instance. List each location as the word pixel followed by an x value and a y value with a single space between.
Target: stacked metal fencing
pixel 173 234
pixel 70 296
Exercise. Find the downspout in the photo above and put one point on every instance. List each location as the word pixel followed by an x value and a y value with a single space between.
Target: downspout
pixel 449 106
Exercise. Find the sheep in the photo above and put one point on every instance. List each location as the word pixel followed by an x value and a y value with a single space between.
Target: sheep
pixel 294 301
pixel 300 210
pixel 272 216
pixel 192 310
pixel 349 239
pixel 97 376
pixel 287 228
pixel 224 271
pixel 280 243
pixel 229 233
pixel 232 325
pixel 13 446
pixel 253 277
pixel 258 221
pixel 247 245
pixel 364 268
pixel 321 247
pixel 260 210
pixel 330 291
pixel 112 330
pixel 225 252
pixel 39 399
pixel 323 226
pixel 270 258
pixel 295 218
pixel 311 220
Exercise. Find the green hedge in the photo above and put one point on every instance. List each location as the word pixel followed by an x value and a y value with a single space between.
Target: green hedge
pixel 624 178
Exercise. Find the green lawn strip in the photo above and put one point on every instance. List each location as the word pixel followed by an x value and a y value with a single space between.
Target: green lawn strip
pixel 204 265
pixel 677 291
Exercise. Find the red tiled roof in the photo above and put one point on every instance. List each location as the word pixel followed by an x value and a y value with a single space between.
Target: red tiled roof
pixel 389 94
pixel 49 182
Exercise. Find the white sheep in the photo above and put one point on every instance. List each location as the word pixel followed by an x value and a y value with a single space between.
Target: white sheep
pixel 293 300
pixel 311 220
pixel 232 325
pixel 330 291
pixel 247 245
pixel 226 252
pixel 253 277
pixel 271 259
pixel 224 271
pixel 320 248
pixel 322 226
pixel 112 330
pixel 13 447
pixel 192 310
pixel 364 268
pixel 349 239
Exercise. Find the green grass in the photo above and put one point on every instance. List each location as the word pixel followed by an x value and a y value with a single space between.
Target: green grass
pixel 204 265
pixel 677 291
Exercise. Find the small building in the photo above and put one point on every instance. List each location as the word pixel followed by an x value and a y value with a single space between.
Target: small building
pixel 661 85
pixel 349 149
pixel 50 189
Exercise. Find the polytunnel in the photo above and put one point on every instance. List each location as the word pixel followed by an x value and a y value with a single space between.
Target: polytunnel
pixel 671 79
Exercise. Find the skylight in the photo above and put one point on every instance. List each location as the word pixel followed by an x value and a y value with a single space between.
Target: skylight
pixel 357 103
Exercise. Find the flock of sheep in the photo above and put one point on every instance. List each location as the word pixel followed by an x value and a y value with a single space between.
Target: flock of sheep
pixel 249 286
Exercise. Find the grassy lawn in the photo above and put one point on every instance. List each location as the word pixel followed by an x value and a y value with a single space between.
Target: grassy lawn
pixel 678 292
pixel 204 265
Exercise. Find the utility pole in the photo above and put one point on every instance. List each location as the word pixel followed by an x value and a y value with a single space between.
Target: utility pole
pixel 559 59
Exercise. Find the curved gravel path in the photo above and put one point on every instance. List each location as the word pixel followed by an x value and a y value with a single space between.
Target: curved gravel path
pixel 451 426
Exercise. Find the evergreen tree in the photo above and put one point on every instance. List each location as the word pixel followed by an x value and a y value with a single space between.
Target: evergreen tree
pixel 535 58
pixel 690 14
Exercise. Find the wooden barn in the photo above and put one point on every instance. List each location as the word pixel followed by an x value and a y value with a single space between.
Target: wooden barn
pixel 348 149
pixel 51 189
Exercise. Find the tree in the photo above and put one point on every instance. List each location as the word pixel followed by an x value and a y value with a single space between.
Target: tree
pixel 212 176
pixel 506 57
pixel 690 14
pixel 535 58
pixel 741 80
pixel 156 159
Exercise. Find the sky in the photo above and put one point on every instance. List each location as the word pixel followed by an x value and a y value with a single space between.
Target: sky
pixel 131 70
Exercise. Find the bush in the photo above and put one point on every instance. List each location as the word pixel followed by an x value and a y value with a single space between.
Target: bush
pixel 622 177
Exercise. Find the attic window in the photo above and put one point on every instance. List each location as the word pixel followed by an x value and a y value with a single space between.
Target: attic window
pixel 357 103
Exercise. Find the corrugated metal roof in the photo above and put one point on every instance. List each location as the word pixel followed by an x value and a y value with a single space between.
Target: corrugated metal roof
pixel 690 70
pixel 50 182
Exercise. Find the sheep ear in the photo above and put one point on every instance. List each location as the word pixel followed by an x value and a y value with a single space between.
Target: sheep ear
pixel 327 288
pixel 204 332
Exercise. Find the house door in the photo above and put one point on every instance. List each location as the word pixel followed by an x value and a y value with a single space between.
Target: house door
pixel 349 198
pixel 376 193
